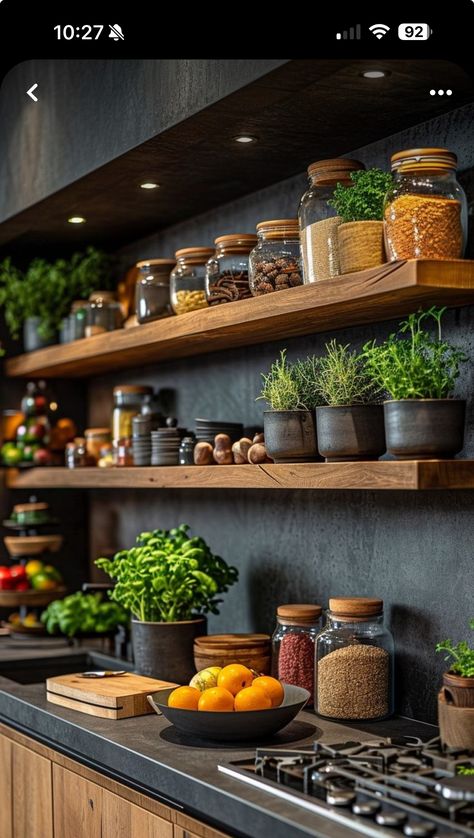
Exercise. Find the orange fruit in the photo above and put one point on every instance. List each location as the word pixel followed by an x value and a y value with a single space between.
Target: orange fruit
pixel 185 698
pixel 234 678
pixel 217 700
pixel 271 686
pixel 252 698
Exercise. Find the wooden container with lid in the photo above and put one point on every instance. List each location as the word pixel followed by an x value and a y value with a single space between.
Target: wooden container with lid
pixel 251 650
pixel 358 607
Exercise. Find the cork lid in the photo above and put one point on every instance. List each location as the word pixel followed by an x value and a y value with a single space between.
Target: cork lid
pixel 299 613
pixel 357 606
pixel 236 242
pixel 424 160
pixel 279 228
pixel 164 262
pixel 133 388
pixel 30 507
pixel 91 432
pixel 199 255
pixel 335 170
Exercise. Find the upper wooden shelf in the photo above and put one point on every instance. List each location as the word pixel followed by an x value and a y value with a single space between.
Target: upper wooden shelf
pixel 406 475
pixel 366 297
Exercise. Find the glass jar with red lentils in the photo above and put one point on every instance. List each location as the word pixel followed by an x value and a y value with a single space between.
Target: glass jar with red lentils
pixel 293 645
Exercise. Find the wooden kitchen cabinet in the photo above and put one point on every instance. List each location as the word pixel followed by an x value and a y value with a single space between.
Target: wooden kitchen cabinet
pixel 121 819
pixel 6 801
pixel 187 827
pixel 77 805
pixel 32 810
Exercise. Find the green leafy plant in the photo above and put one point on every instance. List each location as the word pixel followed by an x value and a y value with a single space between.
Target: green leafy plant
pixel 462 654
pixel 83 614
pixel 465 770
pixel 414 364
pixel 363 201
pixel 168 576
pixel 291 386
pixel 343 378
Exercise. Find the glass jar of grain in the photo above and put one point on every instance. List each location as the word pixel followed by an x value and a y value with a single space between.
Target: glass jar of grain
pixel 425 212
pixel 227 271
pixel 293 645
pixel 275 263
pixel 318 221
pixel 188 279
pixel 354 662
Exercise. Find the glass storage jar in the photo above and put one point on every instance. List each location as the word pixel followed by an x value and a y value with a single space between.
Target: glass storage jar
pixel 293 645
pixel 103 313
pixel 77 320
pixel 186 451
pixel 354 662
pixel 128 400
pixel 318 221
pixel 152 291
pixel 275 263
pixel 96 438
pixel 188 279
pixel 425 212
pixel 227 271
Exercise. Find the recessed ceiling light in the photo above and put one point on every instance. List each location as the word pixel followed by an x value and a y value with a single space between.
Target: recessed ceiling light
pixel 374 74
pixel 76 219
pixel 245 138
pixel 149 185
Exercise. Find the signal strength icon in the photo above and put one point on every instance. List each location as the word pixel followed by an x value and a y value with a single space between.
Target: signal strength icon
pixel 349 34
pixel 379 30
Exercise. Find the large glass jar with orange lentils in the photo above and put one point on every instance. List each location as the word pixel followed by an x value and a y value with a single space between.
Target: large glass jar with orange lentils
pixel 275 262
pixel 227 272
pixel 188 279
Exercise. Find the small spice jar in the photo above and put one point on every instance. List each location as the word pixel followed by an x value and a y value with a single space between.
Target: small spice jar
pixel 128 400
pixel 227 271
pixel 293 645
pixel 318 221
pixel 103 313
pixel 425 212
pixel 275 263
pixel 354 662
pixel 188 279
pixel 152 290
pixel 76 454
pixel 186 451
pixel 96 438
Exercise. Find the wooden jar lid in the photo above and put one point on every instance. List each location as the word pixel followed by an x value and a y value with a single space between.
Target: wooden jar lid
pixel 145 262
pixel 92 432
pixel 305 612
pixel 198 254
pixel 335 170
pixel 424 159
pixel 229 641
pixel 357 606
pixel 279 228
pixel 133 388
pixel 30 507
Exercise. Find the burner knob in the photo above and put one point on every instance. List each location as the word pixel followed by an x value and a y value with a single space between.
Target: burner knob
pixel 419 829
pixel 340 797
pixel 390 817
pixel 367 808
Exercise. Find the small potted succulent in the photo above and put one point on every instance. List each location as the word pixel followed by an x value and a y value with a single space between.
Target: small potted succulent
pixel 289 426
pixel 168 582
pixel 456 699
pixel 360 206
pixel 419 371
pixel 350 423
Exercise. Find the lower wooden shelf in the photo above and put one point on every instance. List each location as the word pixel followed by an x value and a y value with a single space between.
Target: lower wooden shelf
pixel 404 475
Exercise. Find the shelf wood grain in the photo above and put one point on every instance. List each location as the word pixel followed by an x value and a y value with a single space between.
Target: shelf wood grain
pixel 383 293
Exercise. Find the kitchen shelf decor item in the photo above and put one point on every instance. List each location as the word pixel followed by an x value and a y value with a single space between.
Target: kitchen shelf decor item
pixel 275 262
pixel 188 279
pixel 250 650
pixel 227 271
pixel 293 645
pixel 128 402
pixel 152 289
pixel 456 697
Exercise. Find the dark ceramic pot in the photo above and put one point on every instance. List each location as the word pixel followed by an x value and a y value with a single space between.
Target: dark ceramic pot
pixel 423 429
pixel 165 650
pixel 31 339
pixel 458 689
pixel 350 432
pixel 290 436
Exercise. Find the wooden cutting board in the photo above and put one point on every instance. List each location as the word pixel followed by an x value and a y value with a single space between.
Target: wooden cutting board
pixel 117 697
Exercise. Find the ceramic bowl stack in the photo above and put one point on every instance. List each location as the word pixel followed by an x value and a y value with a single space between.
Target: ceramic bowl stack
pixel 207 429
pixel 165 444
pixel 141 440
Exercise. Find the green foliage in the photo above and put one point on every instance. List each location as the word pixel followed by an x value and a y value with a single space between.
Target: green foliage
pixel 305 374
pixel 343 378
pixel 363 201
pixel 83 614
pixel 46 290
pixel 462 654
pixel 413 364
pixel 291 386
pixel 465 770
pixel 168 576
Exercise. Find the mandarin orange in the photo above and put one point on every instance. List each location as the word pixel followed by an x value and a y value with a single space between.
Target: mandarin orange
pixel 234 677
pixel 184 698
pixel 252 698
pixel 271 686
pixel 217 700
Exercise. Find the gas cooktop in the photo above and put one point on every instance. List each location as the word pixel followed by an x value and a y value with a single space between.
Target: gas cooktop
pixel 379 787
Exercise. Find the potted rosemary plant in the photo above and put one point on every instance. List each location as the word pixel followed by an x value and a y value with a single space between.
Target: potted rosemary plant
pixel 350 424
pixel 419 371
pixel 456 698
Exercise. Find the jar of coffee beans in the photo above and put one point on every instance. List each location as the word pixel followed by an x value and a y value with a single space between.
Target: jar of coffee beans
pixel 293 645
pixel 227 271
pixel 275 263
pixel 188 279
pixel 354 662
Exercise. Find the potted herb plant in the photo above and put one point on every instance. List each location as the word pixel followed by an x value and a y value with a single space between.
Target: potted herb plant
pixel 419 371
pixel 168 582
pixel 350 424
pixel 456 698
pixel 289 426
pixel 360 206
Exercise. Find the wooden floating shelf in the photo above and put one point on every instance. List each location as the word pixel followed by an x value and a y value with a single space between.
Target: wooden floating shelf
pixel 406 475
pixel 383 293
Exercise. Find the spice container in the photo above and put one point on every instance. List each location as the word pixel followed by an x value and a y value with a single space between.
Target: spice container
pixel 354 662
pixel 96 438
pixel 152 291
pixel 76 454
pixel 293 645
pixel 227 271
pixel 188 279
pixel 128 400
pixel 425 212
pixel 103 313
pixel 318 222
pixel 275 263
pixel 186 451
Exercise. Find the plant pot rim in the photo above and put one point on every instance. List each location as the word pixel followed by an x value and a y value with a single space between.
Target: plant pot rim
pixel 400 401
pixel 345 406
pixel 466 681
pixel 289 410
pixel 164 623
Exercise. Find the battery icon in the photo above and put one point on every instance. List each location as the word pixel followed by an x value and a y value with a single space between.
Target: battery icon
pixel 414 31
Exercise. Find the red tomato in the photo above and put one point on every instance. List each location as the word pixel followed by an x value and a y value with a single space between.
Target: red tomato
pixel 18 572
pixel 6 581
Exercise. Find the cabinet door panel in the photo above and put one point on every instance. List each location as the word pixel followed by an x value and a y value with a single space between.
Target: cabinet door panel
pixel 121 819
pixel 6 802
pixel 77 805
pixel 32 794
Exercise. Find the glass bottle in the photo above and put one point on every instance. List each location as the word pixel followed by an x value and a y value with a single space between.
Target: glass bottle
pixel 425 212
pixel 128 400
pixel 227 271
pixel 354 662
pixel 318 221
pixel 152 291
pixel 188 279
pixel 293 645
pixel 275 262
pixel 186 451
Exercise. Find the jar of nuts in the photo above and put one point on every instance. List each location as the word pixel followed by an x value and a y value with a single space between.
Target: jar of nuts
pixel 227 272
pixel 275 263
pixel 188 279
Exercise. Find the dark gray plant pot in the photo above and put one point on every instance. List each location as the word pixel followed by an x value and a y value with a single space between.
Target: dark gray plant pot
pixel 290 436
pixel 31 339
pixel 423 429
pixel 165 650
pixel 350 432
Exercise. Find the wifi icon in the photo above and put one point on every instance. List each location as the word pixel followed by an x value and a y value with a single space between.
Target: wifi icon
pixel 379 30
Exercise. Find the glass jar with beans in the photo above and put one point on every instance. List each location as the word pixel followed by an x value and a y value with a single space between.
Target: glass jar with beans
pixel 275 263
pixel 188 279
pixel 354 662
pixel 227 271
pixel 293 645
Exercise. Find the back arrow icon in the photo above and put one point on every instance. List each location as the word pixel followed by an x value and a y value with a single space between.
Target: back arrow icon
pixel 31 94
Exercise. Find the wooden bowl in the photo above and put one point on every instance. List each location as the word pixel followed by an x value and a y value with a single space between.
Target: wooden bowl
pixel 251 650
pixel 456 724
pixel 32 545
pixel 31 598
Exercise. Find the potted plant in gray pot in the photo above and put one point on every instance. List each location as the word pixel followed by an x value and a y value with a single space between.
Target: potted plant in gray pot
pixel 350 424
pixel 419 371
pixel 456 699
pixel 168 582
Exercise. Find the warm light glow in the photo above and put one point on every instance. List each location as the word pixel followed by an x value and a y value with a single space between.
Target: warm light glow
pixel 245 138
pixel 374 74
pixel 149 185
pixel 76 219
pixel 53 405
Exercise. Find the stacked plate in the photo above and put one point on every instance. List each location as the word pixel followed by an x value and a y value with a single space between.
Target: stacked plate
pixel 165 444
pixel 206 430
pixel 141 449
